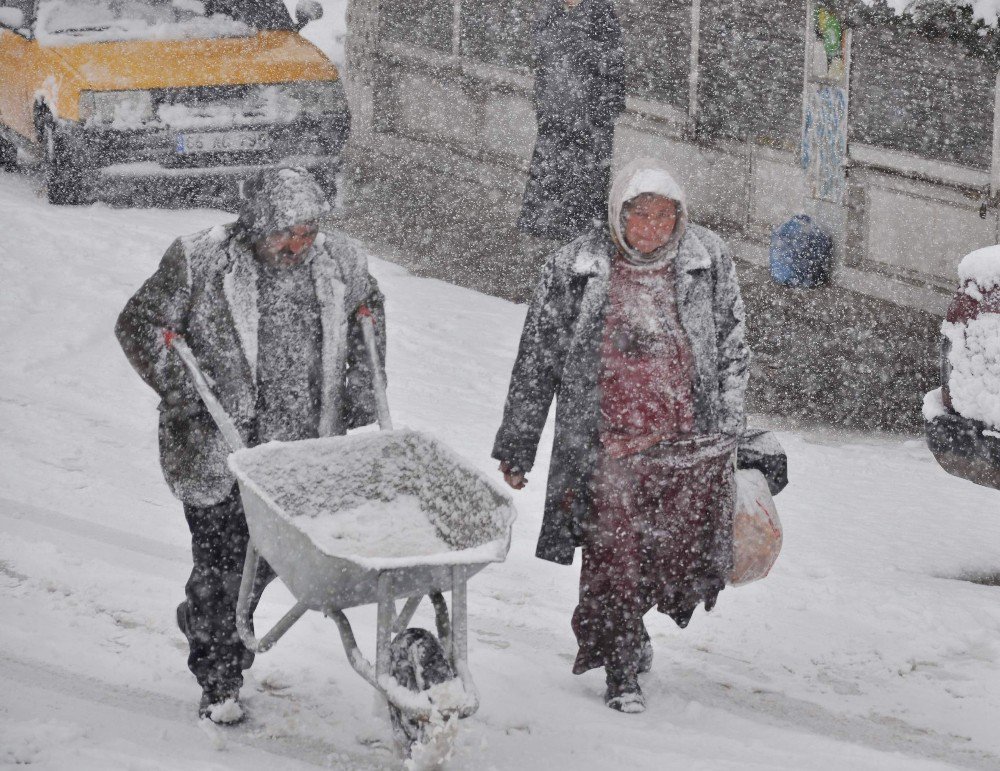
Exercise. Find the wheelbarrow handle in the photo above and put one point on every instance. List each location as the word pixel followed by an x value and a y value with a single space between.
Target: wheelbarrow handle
pixel 367 321
pixel 204 389
pixel 221 417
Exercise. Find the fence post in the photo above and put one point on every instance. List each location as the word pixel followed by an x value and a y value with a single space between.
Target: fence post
pixel 692 124
pixel 810 41
pixel 456 27
pixel 361 50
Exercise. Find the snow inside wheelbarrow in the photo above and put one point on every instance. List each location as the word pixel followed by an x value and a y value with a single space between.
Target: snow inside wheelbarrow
pixel 330 514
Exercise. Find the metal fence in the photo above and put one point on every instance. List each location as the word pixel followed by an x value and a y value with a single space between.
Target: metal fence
pixel 921 96
pixel 498 31
pixel 657 40
pixel 907 93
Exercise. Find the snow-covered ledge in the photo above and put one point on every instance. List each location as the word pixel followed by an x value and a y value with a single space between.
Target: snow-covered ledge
pixel 428 59
pixel 866 282
pixel 910 165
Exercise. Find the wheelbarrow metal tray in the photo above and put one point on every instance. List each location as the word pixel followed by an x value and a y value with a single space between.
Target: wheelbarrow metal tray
pixel 331 514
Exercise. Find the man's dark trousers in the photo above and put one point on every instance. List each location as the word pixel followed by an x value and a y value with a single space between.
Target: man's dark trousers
pixel 208 618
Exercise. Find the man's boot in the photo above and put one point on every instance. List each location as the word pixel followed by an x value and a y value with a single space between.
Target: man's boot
pixel 221 705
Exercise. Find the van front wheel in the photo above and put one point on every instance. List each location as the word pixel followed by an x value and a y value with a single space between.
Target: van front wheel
pixel 64 182
pixel 8 155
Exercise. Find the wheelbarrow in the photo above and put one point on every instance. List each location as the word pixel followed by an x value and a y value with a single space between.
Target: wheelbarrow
pixel 372 518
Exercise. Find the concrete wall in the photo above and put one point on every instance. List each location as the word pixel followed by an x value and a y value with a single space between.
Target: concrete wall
pixel 438 169
pixel 657 39
pixel 921 96
pixel 915 228
pixel 751 62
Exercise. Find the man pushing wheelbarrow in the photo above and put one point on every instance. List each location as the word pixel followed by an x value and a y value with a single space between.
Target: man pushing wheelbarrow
pixel 268 307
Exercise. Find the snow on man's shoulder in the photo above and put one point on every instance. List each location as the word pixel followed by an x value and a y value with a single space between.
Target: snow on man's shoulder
pixel 350 255
pixel 212 237
pixel 338 244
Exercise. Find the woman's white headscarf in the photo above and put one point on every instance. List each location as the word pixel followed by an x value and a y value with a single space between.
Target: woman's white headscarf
pixel 645 175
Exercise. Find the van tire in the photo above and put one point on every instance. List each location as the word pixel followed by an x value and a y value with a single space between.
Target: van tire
pixel 64 183
pixel 8 156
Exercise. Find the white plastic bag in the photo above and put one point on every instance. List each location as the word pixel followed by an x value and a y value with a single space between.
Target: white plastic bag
pixel 757 531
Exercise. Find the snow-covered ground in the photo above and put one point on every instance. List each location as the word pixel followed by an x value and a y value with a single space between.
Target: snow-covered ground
pixel 860 651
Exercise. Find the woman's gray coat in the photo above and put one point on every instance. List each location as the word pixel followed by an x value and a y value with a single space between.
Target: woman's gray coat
pixel 559 357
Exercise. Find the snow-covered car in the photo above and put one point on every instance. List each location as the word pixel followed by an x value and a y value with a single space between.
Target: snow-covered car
pixel 154 88
pixel 962 417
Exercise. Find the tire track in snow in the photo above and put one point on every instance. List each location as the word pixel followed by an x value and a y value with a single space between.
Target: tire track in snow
pixel 124 549
pixel 886 733
pixel 68 685
pixel 107 543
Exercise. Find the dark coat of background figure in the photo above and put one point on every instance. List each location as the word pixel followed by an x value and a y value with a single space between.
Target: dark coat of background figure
pixel 579 93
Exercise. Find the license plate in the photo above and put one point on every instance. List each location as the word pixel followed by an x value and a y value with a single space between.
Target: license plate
pixel 221 142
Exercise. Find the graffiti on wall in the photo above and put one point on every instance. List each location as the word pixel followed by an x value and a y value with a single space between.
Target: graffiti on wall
pixel 824 128
pixel 829 49
pixel 824 141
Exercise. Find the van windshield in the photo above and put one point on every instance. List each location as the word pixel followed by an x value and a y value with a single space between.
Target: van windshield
pixel 67 22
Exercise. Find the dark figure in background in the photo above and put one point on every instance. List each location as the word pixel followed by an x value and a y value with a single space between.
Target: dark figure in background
pixel 268 307
pixel 579 93
pixel 636 330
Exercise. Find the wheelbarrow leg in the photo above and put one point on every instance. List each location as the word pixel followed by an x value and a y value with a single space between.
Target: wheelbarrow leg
pixel 459 638
pixel 243 621
pixel 354 654
pixel 243 602
pixel 442 621
pixel 459 615
pixel 386 619
pixel 406 614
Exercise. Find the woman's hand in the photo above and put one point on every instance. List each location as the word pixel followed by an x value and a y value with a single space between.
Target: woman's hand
pixel 512 476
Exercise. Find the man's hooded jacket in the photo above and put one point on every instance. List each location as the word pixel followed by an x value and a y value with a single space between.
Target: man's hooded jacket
pixel 205 289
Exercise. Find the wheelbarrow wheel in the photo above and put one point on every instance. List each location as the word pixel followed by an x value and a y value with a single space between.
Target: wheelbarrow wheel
pixel 417 663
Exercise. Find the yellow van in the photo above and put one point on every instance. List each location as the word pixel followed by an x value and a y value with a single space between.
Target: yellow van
pixel 165 88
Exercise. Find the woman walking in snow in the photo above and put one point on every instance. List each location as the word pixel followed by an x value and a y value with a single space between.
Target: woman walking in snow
pixel 637 330
pixel 579 93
